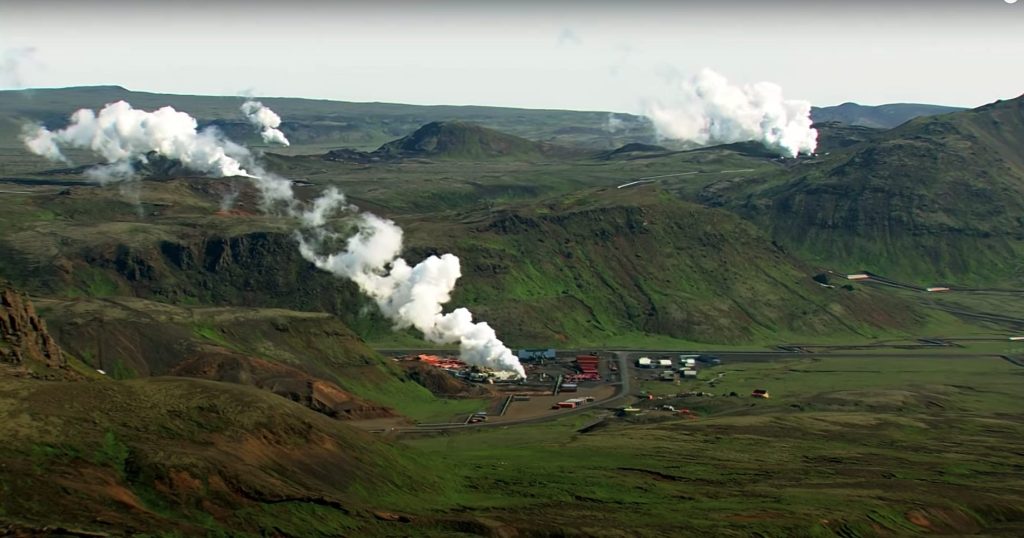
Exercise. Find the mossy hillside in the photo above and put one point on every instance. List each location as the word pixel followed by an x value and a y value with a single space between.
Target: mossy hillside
pixel 187 456
pixel 591 268
pixel 938 198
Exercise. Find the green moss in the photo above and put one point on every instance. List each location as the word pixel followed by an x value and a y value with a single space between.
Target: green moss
pixel 112 453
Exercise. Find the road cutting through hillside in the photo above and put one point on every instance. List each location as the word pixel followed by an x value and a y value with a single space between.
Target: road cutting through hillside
pixel 651 179
pixel 869 277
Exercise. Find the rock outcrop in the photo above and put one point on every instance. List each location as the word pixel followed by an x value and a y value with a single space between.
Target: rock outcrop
pixel 24 340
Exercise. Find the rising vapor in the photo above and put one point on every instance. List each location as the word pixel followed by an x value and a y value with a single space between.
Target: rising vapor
pixel 127 137
pixel 411 296
pixel 266 120
pixel 708 109
pixel 123 135
pixel 12 66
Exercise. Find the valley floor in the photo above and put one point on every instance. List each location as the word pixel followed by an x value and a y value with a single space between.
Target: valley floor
pixel 846 446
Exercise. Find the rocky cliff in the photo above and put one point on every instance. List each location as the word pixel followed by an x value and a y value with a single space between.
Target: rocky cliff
pixel 24 342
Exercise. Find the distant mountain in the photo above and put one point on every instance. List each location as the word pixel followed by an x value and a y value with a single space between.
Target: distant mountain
pixel 881 116
pixel 462 140
pixel 937 197
pixel 324 123
pixel 455 140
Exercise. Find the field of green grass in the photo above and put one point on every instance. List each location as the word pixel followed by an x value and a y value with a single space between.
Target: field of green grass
pixel 845 447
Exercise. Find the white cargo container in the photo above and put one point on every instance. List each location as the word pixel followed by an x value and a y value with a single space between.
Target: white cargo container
pixel 665 363
pixel 689 374
pixel 644 362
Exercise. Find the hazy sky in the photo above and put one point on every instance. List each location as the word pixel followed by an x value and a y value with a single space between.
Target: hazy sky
pixel 576 55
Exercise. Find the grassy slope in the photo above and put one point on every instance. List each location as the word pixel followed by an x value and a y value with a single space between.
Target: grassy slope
pixel 621 266
pixel 936 199
pixel 132 338
pixel 187 457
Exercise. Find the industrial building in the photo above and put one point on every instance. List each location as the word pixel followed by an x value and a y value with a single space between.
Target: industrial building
pixel 572 403
pixel 528 355
pixel 587 366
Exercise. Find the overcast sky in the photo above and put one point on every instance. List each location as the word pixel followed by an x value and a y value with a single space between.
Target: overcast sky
pixel 576 55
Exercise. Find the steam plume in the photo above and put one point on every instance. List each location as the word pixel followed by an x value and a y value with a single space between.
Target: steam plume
pixel 411 296
pixel 266 120
pixel 614 124
pixel 12 66
pixel 709 109
pixel 123 135
pixel 126 137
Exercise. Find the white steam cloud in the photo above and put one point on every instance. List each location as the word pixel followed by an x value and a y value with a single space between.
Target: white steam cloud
pixel 614 124
pixel 266 120
pixel 123 135
pixel 411 296
pixel 709 109
pixel 126 137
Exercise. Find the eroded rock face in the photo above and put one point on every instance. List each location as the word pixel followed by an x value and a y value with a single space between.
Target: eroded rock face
pixel 23 336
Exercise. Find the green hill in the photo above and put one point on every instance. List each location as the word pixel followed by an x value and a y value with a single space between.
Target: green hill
pixel 453 140
pixel 188 457
pixel 936 198
pixel 460 140
pixel 625 265
pixel 178 456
